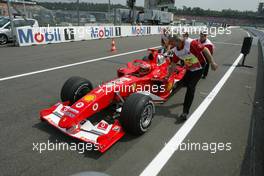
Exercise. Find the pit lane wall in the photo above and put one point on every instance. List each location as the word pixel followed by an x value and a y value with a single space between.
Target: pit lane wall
pixel 260 35
pixel 27 36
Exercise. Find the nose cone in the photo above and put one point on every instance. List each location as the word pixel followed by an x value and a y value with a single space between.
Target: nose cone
pixel 66 122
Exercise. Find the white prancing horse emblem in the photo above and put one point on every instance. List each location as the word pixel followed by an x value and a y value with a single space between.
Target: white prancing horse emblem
pixel 79 105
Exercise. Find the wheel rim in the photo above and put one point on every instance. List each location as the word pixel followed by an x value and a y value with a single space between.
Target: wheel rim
pixel 146 116
pixel 3 40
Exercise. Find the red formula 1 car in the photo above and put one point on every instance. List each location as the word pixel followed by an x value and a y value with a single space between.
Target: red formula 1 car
pixel 130 97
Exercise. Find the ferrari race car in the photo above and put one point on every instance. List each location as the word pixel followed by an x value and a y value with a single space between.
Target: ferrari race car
pixel 129 99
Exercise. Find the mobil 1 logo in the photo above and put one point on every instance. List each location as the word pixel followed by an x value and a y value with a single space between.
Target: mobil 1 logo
pixel 69 34
pixel 117 31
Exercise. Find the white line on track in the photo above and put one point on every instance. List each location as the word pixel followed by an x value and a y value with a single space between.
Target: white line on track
pixel 168 150
pixel 155 166
pixel 72 65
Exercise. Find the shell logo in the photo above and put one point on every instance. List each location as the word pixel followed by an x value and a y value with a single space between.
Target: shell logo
pixel 169 86
pixel 134 87
pixel 89 98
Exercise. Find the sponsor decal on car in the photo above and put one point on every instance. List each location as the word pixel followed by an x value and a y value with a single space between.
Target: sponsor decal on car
pixel 169 86
pixel 116 128
pixel 79 105
pixel 69 114
pixel 89 98
pixel 118 81
pixel 134 86
pixel 95 107
pixel 67 109
pixel 122 80
pixel 102 126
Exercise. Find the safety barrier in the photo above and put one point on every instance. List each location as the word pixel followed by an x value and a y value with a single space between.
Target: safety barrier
pixel 257 33
pixel 27 36
pixel 260 35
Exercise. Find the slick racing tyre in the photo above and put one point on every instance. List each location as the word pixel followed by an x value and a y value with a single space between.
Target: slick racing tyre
pixel 137 113
pixel 75 88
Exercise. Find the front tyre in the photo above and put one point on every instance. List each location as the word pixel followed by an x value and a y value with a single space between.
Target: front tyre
pixel 75 88
pixel 137 114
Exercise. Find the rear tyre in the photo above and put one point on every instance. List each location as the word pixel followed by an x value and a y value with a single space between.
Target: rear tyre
pixel 75 88
pixel 137 114
pixel 3 39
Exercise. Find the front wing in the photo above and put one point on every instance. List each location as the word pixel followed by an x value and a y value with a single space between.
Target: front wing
pixel 103 135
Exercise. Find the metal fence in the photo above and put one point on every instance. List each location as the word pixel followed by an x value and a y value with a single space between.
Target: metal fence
pixel 260 34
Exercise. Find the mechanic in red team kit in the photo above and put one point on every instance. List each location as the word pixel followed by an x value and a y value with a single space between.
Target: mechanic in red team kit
pixel 194 56
pixel 208 44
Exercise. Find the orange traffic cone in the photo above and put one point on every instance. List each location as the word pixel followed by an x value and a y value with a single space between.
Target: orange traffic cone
pixel 113 48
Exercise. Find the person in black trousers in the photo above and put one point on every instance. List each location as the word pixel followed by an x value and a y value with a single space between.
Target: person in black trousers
pixel 194 56
pixel 208 44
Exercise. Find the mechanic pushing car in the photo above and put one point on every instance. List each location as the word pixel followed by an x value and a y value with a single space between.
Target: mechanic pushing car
pixel 164 42
pixel 164 45
pixel 208 44
pixel 194 56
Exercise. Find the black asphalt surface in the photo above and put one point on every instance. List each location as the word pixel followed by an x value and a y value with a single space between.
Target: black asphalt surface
pixel 227 120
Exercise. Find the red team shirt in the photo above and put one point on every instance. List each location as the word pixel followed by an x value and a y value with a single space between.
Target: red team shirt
pixel 208 44
pixel 191 54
